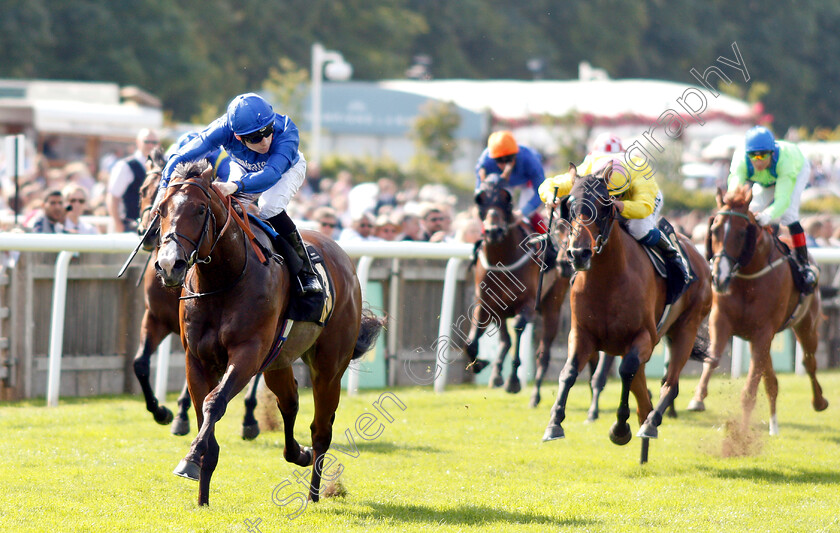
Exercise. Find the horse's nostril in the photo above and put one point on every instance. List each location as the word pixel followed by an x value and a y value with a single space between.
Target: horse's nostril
pixel 179 265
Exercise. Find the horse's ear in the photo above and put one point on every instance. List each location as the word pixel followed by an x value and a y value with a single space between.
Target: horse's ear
pixel 719 198
pixel 563 205
pixel 572 170
pixel 477 198
pixel 207 174
pixel 709 237
pixel 748 194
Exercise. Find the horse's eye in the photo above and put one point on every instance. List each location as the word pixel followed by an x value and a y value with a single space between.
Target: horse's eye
pixel 202 209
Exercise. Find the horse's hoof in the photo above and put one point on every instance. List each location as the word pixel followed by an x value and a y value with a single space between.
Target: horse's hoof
pixel 496 380
pixel 187 469
pixel 696 405
pixel 671 412
pixel 620 434
pixel 478 365
pixel 535 401
pixel 774 426
pixel 591 418
pixel 513 386
pixel 307 457
pixel 821 405
pixel 553 433
pixel 181 427
pixel 648 431
pixel 250 431
pixel 163 416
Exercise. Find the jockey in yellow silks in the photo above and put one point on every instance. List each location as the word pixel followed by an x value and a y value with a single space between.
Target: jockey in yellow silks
pixel 635 194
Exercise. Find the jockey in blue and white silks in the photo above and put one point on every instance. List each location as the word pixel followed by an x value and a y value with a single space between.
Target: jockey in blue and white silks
pixel 265 160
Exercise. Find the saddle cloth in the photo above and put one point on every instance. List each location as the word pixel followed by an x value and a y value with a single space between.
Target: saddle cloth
pixel 673 281
pixel 315 308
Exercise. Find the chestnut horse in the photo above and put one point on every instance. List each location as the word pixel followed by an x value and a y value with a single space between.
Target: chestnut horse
pixel 755 297
pixel 617 305
pixel 161 319
pixel 506 280
pixel 234 322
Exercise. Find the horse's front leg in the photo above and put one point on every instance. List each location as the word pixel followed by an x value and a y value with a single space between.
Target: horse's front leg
pixel 579 354
pixel 513 384
pixel 631 379
pixel 478 324
pixel 760 350
pixel 153 332
pixel 719 334
pixel 496 379
pixel 204 451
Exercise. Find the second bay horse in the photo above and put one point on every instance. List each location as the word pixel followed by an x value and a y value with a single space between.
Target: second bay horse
pixel 755 297
pixel 617 305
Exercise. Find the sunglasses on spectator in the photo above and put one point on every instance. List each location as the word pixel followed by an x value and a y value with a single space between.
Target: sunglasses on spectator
pixel 329 224
pixel 760 155
pixel 435 219
pixel 259 135
pixel 504 160
pixel 150 141
pixel 77 200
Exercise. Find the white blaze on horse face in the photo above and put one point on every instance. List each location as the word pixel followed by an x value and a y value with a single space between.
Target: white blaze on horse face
pixel 167 256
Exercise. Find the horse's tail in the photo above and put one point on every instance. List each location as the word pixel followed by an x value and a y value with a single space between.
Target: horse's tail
pixel 368 332
pixel 700 350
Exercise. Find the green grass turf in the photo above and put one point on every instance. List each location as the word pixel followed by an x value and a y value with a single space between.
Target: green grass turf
pixel 467 460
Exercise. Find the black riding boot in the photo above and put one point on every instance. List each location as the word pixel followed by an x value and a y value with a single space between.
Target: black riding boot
pixel 808 275
pixel 290 244
pixel 672 256
pixel 306 277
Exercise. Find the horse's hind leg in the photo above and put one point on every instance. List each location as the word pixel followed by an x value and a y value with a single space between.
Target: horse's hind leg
pixel 250 426
pixel 153 333
pixel 599 370
pixel 496 379
pixel 181 425
pixel 283 384
pixel 326 390
pixel 771 387
pixel 680 344
pixel 808 337
pixel 477 328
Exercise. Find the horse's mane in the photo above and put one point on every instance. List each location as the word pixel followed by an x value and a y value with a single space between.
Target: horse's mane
pixel 736 198
pixel 190 169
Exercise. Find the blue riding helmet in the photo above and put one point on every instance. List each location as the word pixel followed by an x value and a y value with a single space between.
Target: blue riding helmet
pixel 759 139
pixel 184 139
pixel 248 113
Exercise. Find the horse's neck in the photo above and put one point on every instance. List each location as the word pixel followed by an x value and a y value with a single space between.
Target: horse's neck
pixel 765 249
pixel 228 254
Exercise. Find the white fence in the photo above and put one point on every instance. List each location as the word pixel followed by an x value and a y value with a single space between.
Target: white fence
pixel 69 246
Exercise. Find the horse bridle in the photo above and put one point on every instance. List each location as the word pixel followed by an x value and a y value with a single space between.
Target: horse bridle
pixel 175 236
pixel 604 228
pixel 746 252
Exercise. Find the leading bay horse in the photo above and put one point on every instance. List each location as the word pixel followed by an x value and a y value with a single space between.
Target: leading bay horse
pixel 160 319
pixel 506 279
pixel 234 322
pixel 617 304
pixel 755 297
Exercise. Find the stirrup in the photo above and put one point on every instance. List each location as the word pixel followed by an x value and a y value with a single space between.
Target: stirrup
pixel 308 283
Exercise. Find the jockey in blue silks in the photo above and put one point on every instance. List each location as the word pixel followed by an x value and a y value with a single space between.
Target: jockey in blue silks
pixel 218 158
pixel 265 160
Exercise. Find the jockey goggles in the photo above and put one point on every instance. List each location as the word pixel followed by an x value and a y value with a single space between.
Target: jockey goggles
pixel 505 159
pixel 759 155
pixel 257 136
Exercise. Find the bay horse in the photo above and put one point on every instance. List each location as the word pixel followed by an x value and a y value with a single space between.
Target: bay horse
pixel 617 303
pixel 755 297
pixel 160 319
pixel 234 324
pixel 506 274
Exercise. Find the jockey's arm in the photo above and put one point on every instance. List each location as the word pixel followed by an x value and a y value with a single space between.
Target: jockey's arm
pixel 563 183
pixel 641 200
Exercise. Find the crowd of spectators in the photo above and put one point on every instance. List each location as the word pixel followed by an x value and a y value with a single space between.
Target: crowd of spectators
pixel 346 207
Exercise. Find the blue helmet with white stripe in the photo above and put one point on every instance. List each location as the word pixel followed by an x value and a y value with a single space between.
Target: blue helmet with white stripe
pixel 248 113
